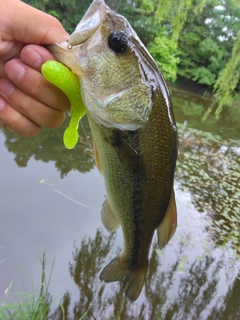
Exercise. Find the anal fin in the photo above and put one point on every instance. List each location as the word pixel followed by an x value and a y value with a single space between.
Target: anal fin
pixel 109 219
pixel 167 228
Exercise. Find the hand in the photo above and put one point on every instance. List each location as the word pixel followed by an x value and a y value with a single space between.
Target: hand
pixel 27 101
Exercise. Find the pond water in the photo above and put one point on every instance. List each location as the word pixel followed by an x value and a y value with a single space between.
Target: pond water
pixel 50 201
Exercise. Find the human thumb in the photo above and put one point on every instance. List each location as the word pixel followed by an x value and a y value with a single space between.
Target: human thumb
pixel 30 25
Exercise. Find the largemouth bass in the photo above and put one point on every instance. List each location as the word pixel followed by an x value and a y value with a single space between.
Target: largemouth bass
pixel 134 136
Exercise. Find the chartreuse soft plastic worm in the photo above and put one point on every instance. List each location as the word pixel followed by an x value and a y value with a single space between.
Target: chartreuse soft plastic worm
pixel 61 77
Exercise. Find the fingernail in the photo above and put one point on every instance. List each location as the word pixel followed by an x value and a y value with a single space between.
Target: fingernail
pixel 17 71
pixel 34 58
pixel 2 103
pixel 6 87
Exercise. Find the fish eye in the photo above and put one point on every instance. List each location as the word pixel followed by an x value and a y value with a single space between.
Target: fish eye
pixel 118 42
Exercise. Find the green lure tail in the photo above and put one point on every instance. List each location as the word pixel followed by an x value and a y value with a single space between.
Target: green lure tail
pixel 61 77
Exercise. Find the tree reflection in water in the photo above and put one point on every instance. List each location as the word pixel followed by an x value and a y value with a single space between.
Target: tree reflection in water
pixel 48 146
pixel 169 293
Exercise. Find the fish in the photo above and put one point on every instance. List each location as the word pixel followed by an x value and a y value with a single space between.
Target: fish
pixel 134 134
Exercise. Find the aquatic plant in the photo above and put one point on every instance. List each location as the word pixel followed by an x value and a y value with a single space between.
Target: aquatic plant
pixel 209 167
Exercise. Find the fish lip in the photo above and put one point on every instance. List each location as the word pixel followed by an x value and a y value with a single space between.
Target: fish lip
pixel 89 23
pixel 63 52
pixel 84 30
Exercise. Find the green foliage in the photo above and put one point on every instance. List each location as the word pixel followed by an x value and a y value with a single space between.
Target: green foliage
pixel 164 53
pixel 169 13
pixel 203 75
pixel 147 5
pixel 176 14
pixel 140 14
pixel 228 80
pixel 206 42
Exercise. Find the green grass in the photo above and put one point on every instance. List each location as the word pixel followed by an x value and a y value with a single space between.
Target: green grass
pixel 28 306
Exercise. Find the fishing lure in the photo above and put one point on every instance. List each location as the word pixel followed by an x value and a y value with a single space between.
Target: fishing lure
pixel 61 77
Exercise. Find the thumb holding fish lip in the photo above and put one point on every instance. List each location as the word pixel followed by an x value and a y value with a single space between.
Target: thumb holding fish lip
pixel 23 23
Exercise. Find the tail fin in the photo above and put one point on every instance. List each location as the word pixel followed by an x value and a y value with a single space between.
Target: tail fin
pixel 131 280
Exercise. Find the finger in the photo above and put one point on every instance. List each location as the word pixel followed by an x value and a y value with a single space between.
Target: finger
pixel 31 25
pixel 32 83
pixel 8 50
pixel 34 56
pixel 14 121
pixel 32 109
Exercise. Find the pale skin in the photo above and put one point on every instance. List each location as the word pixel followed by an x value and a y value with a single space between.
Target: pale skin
pixel 27 101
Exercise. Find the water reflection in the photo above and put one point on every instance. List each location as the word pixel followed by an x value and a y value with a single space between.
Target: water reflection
pixel 195 277
pixel 209 167
pixel 84 269
pixel 192 109
pixel 169 293
pixel 48 146
pixel 227 307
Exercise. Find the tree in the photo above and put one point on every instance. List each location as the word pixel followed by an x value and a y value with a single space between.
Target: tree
pixel 206 42
pixel 227 83
pixel 164 53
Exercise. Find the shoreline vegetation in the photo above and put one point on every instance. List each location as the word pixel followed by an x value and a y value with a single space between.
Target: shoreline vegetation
pixel 25 305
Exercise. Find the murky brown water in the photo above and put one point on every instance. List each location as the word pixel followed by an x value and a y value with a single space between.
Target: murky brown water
pixel 50 199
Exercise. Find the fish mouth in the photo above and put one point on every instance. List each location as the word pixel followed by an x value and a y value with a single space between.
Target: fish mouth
pixel 91 21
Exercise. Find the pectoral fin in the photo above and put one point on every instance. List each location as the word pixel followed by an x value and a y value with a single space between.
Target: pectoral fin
pixel 166 229
pixel 109 219
pixel 128 156
pixel 96 157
